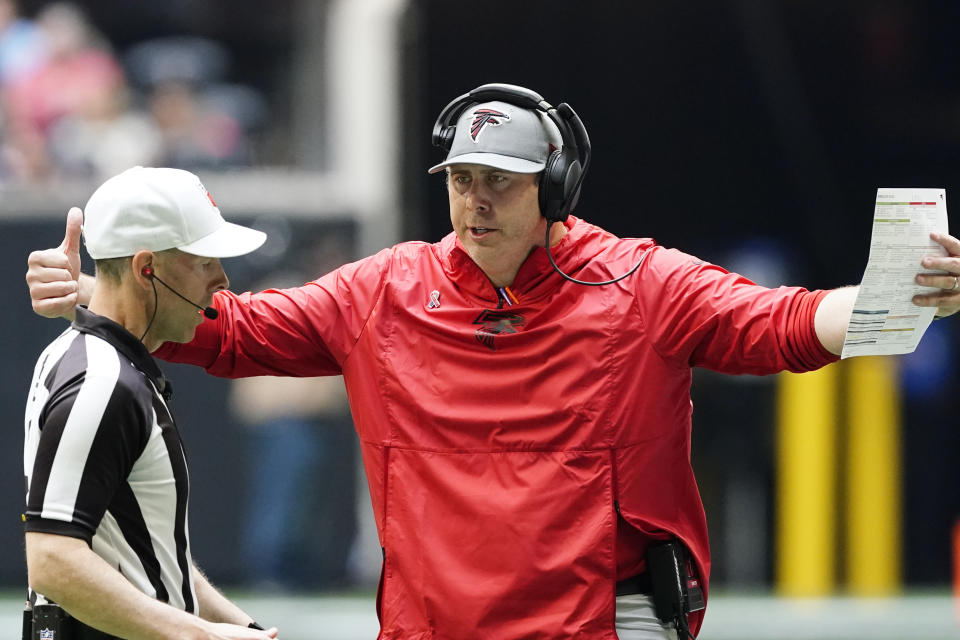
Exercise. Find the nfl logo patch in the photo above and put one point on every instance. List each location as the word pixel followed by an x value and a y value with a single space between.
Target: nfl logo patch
pixel 46 634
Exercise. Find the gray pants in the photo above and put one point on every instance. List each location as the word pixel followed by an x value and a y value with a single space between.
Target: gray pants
pixel 636 620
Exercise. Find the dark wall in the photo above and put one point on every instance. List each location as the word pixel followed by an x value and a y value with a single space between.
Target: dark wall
pixel 712 121
pixel 721 126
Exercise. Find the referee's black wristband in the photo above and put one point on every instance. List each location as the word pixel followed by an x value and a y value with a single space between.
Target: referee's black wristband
pixel 254 625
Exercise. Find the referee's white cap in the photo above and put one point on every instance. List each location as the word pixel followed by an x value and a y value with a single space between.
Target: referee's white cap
pixel 158 209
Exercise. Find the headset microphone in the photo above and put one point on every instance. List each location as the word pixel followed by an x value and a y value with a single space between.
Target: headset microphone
pixel 208 312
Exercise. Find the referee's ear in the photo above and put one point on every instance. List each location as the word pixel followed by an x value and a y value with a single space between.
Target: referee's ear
pixel 142 268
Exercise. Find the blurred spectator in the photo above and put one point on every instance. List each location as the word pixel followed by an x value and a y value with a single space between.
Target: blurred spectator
pixel 735 416
pixel 202 121
pixel 77 71
pixel 187 59
pixel 299 522
pixel 21 47
pixel 79 65
pixel 192 134
pixel 69 110
pixel 104 136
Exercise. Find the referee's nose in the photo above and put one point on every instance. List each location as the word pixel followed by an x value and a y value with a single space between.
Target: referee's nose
pixel 221 281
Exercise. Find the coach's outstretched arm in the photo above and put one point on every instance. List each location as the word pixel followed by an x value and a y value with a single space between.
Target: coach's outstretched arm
pixel 833 314
pixel 57 286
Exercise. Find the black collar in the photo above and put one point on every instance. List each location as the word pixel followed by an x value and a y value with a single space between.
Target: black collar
pixel 126 343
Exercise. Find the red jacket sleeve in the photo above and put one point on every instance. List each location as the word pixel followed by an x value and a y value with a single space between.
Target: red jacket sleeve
pixel 702 315
pixel 304 331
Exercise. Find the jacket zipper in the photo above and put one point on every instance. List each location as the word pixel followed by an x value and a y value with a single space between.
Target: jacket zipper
pixel 613 481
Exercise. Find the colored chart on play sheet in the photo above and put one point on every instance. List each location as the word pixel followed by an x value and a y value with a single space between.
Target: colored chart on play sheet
pixel 884 320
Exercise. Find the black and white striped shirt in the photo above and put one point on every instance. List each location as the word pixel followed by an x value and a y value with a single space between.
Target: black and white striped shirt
pixel 103 458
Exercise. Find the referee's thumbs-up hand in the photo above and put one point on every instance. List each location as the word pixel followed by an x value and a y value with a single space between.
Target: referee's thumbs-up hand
pixel 53 274
pixel 71 241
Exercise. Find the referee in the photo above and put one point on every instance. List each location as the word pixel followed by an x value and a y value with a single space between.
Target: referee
pixel 107 484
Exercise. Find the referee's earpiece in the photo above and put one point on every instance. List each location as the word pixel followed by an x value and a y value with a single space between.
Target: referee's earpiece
pixel 208 312
pixel 565 168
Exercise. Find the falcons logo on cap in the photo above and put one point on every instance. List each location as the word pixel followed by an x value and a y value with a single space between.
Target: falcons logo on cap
pixel 483 117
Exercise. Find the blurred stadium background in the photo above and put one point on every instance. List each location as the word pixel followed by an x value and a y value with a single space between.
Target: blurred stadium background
pixel 753 133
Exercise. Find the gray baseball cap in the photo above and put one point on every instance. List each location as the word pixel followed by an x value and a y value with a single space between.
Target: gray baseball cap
pixel 503 136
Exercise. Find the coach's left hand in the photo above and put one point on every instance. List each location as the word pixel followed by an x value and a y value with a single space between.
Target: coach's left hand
pixel 947 299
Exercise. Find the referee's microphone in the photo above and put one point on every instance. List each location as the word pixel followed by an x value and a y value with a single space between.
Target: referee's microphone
pixel 209 312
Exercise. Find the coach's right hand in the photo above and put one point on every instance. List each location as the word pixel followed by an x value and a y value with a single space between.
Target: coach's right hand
pixel 53 275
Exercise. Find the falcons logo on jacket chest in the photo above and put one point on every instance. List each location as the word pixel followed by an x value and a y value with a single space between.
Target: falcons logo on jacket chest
pixel 493 323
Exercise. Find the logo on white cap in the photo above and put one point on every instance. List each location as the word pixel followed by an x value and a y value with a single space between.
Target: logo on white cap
pixel 484 117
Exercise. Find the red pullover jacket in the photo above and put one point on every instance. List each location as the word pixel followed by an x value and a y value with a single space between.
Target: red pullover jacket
pixel 500 441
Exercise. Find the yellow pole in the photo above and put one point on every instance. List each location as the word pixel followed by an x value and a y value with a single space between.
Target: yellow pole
pixel 873 477
pixel 806 482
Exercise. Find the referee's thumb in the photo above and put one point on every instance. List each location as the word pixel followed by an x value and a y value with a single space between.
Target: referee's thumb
pixel 71 239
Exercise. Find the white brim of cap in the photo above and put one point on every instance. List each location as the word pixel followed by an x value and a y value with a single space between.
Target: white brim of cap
pixel 227 241
pixel 507 163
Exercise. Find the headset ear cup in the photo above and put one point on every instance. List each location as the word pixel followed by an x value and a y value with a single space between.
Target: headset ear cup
pixel 556 185
pixel 446 137
pixel 571 194
pixel 550 187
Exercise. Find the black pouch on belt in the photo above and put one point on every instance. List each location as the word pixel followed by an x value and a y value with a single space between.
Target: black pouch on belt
pixel 676 591
pixel 51 622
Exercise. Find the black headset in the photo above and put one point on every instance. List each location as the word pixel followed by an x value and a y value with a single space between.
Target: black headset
pixel 566 167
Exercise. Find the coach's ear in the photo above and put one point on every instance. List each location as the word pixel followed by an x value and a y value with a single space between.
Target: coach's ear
pixel 141 267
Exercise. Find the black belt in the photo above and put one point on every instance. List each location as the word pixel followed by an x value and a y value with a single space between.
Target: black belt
pixel 85 632
pixel 638 584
